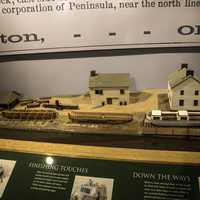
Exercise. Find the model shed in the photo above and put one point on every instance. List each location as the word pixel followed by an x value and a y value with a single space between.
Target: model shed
pixel 184 90
pixel 8 100
pixel 109 88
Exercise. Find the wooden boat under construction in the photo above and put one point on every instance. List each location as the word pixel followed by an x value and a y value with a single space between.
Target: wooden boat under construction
pixel 100 117
pixel 30 114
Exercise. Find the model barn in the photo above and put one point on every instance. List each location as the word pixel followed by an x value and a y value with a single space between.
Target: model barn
pixel 111 88
pixel 184 90
pixel 9 100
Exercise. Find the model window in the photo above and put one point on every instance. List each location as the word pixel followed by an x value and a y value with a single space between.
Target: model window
pixel 122 91
pixel 100 92
pixel 120 103
pixel 181 102
pixel 109 101
pixel 196 102
pixel 196 92
pixel 125 103
pixel 182 92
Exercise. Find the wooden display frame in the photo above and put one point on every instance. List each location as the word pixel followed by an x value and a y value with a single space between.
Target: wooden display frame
pixel 105 153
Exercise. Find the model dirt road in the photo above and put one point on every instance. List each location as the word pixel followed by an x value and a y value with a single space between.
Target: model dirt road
pixel 144 101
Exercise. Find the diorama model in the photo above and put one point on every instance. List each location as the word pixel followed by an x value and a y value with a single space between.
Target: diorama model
pixel 111 108
pixel 90 191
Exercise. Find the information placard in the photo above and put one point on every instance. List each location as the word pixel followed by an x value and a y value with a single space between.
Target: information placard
pixel 29 26
pixel 53 177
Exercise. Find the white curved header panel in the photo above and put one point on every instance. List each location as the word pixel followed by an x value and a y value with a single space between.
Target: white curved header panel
pixel 33 26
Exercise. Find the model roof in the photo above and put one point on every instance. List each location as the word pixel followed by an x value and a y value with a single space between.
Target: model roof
pixel 109 80
pixel 176 76
pixel 7 98
pixel 181 75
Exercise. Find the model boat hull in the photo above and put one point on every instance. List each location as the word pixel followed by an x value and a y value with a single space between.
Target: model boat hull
pixel 175 123
pixel 29 114
pixel 92 117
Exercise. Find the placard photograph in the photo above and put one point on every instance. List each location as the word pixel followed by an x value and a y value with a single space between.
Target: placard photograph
pixel 93 188
pixel 6 168
pixel 199 183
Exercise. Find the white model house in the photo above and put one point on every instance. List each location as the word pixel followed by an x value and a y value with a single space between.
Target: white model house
pixel 110 88
pixel 184 90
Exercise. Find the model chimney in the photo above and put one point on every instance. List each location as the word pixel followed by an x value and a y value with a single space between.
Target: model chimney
pixel 93 73
pixel 184 66
pixel 190 73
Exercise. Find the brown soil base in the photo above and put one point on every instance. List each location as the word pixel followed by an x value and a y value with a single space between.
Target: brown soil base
pixel 139 97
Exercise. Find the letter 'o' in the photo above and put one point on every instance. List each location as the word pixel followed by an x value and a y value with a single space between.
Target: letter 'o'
pixel 186 30
pixel 15 38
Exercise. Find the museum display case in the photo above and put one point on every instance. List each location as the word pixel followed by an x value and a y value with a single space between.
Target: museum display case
pixel 104 142
pixel 99 100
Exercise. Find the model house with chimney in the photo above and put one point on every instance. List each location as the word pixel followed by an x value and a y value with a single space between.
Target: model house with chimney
pixel 109 88
pixel 184 90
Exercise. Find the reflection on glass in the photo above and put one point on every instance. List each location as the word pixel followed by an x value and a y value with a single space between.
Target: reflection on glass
pixel 49 160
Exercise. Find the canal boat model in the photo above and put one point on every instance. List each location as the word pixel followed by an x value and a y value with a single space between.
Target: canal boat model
pixel 100 117
pixel 173 118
